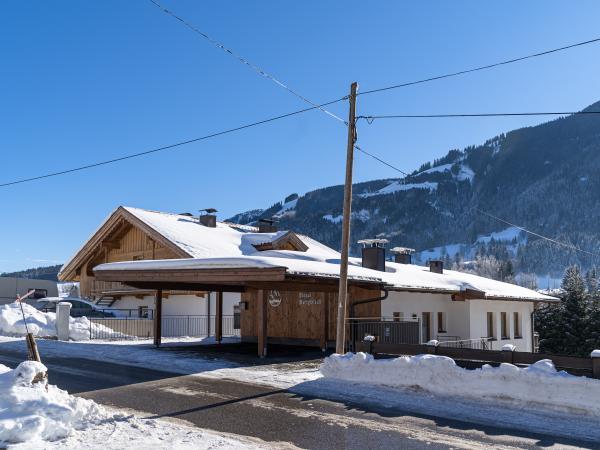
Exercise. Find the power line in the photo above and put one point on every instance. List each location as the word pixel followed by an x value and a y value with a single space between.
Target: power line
pixel 245 61
pixel 377 158
pixel 476 69
pixel 370 118
pixel 563 244
pixel 166 147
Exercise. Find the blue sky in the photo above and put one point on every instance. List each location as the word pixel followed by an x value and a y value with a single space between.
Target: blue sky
pixel 87 81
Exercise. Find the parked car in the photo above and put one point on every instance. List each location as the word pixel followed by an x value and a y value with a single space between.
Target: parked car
pixel 79 307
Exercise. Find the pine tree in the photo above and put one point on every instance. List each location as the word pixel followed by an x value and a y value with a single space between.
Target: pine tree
pixel 565 329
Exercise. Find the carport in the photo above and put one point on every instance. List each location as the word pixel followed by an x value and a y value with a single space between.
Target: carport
pixel 276 306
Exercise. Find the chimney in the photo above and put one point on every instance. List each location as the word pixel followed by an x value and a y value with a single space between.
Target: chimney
pixel 436 266
pixel 208 219
pixel 373 253
pixel 266 226
pixel 403 255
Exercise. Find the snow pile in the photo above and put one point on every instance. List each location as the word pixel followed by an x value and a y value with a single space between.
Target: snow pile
pixel 33 411
pixel 44 324
pixel 539 385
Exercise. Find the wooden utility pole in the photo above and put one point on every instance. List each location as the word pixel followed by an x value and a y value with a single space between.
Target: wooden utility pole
pixel 343 290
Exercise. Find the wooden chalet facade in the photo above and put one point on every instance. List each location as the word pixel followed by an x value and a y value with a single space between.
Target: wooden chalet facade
pixel 123 237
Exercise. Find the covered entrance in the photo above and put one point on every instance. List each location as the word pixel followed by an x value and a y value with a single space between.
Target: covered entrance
pixel 275 307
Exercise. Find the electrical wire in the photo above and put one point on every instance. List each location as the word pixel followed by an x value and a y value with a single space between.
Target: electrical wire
pixel 371 118
pixel 245 61
pixel 476 69
pixel 166 147
pixel 563 244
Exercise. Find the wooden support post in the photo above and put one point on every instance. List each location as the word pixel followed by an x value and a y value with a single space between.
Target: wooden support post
pixel 261 317
pixel 325 327
pixel 158 318
pixel 208 314
pixel 219 317
pixel 340 337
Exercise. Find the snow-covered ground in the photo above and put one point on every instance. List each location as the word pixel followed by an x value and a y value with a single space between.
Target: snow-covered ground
pixel 44 324
pixel 305 379
pixel 35 415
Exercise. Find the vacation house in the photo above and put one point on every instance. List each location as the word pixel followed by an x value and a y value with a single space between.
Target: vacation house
pixel 285 284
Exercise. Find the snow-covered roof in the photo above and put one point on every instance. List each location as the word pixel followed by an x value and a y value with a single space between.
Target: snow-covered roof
pixel 227 247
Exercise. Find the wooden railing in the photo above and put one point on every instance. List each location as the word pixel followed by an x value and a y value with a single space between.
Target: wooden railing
pixel 97 287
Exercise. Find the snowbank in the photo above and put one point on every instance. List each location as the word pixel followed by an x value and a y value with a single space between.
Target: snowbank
pixel 33 411
pixel 539 385
pixel 33 415
pixel 44 324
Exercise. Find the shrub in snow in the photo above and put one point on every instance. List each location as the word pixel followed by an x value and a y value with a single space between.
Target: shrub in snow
pixel 44 324
pixel 539 384
pixel 34 411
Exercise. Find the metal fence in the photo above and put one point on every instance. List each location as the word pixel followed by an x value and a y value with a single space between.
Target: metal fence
pixel 385 331
pixel 475 344
pixel 172 326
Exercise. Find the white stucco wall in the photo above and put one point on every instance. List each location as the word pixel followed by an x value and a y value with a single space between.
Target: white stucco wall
pixel 467 320
pixel 183 305
pixel 479 310
pixel 409 303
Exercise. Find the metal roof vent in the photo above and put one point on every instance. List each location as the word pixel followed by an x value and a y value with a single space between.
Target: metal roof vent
pixel 403 255
pixel 373 253
pixel 267 226
pixel 436 266
pixel 208 218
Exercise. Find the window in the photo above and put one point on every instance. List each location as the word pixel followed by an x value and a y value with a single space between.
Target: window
pixel 38 293
pixel 143 312
pixel 441 322
pixel 398 316
pixel 504 326
pixel 491 329
pixel 80 305
pixel 517 321
pixel 426 326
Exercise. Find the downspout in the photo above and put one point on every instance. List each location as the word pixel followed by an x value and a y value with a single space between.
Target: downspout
pixel 385 295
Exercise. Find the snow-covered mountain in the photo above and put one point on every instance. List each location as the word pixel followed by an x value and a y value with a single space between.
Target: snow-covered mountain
pixel 545 178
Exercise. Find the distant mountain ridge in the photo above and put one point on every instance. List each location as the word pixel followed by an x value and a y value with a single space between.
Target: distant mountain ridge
pixel 545 178
pixel 38 273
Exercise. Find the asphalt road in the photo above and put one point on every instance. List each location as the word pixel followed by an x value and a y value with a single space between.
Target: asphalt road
pixel 276 416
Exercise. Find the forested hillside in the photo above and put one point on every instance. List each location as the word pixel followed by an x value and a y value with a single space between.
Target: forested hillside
pixel 544 178
pixel 39 273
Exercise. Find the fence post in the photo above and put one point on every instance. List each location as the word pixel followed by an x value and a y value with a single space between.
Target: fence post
pixel 63 316
pixel 508 353
pixel 595 355
pixel 432 347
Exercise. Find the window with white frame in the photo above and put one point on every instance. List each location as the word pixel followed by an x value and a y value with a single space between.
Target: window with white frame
pixel 517 324
pixel 441 322
pixel 491 325
pixel 504 325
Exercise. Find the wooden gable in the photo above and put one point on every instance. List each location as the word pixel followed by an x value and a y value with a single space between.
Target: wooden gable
pixel 122 237
pixel 289 241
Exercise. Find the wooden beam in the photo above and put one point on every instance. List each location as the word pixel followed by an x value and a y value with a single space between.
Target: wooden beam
pixel 153 285
pixel 261 318
pixel 325 318
pixel 158 318
pixel 200 275
pixel 219 317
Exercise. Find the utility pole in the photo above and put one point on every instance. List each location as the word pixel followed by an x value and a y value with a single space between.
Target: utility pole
pixel 343 290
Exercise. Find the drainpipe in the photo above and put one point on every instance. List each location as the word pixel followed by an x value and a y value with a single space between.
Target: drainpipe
pixel 362 302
